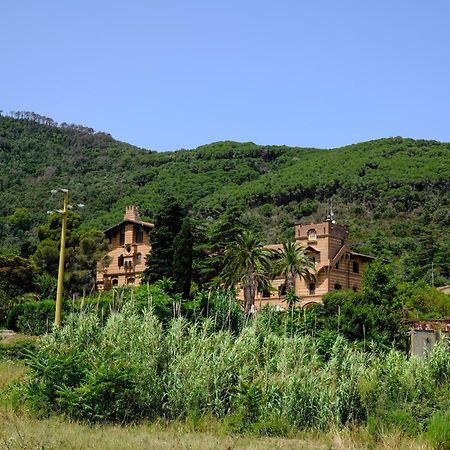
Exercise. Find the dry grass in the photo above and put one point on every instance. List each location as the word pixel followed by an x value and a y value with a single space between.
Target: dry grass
pixel 10 371
pixel 24 433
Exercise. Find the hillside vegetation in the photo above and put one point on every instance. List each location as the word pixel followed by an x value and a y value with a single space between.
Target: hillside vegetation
pixel 393 192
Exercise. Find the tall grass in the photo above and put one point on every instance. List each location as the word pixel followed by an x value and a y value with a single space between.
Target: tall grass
pixel 132 368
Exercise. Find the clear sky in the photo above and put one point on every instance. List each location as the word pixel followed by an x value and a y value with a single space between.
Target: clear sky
pixel 170 74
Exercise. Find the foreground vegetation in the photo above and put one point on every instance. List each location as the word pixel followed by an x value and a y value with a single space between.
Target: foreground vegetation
pixel 132 369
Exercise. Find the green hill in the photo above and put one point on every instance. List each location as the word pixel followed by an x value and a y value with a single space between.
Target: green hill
pixel 394 192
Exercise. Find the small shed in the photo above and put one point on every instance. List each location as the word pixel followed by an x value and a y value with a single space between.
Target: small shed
pixel 424 334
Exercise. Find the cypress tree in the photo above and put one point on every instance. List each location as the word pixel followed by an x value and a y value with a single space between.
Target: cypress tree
pixel 182 259
pixel 167 226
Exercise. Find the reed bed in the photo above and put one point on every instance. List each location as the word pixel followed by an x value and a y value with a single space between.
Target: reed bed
pixel 131 368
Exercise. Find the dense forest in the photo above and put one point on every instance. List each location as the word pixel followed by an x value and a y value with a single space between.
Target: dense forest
pixel 393 192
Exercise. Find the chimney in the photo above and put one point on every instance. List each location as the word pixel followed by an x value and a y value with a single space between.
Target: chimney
pixel 132 213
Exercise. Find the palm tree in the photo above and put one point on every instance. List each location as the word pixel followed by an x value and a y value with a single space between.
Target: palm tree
pixel 292 261
pixel 247 262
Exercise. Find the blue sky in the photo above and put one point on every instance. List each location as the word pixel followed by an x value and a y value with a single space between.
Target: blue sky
pixel 169 74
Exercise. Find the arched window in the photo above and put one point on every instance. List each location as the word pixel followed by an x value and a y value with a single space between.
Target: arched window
pixel 312 288
pixel 337 286
pixel 130 280
pixel 138 258
pixel 120 261
pixel 312 235
pixel 115 282
pixel 122 237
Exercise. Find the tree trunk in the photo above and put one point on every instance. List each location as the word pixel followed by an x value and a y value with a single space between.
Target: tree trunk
pixel 249 292
pixel 290 282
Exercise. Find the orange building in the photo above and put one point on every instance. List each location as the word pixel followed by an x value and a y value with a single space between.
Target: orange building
pixel 130 244
pixel 337 267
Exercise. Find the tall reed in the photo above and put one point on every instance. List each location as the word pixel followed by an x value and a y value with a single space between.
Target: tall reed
pixel 132 368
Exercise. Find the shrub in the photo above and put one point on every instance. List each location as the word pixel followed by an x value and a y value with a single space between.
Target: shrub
pixel 37 317
pixel 33 318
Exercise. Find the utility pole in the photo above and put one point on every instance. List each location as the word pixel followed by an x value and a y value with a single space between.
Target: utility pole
pixel 59 291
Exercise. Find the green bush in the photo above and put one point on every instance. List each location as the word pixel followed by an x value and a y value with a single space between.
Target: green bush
pixel 37 317
pixel 33 318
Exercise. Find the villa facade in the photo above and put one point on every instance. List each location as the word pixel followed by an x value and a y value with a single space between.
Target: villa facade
pixel 326 243
pixel 337 267
pixel 130 244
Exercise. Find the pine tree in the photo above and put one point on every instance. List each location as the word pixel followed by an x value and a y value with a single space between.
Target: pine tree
pixel 208 263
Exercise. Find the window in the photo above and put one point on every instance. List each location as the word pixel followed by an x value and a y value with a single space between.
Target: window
pixel 139 258
pixel 337 287
pixel 337 265
pixel 312 288
pixel 120 261
pixel 355 289
pixel 282 290
pixel 312 236
pixel 115 282
pixel 130 280
pixel 139 234
pixel 355 267
pixel 266 293
pixel 122 237
pixel 313 259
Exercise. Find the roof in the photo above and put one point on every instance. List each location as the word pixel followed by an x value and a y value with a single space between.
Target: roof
pixel 342 250
pixel 280 247
pixel 136 222
pixel 361 255
pixel 274 246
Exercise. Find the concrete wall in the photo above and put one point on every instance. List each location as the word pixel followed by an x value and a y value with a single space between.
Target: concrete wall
pixel 423 341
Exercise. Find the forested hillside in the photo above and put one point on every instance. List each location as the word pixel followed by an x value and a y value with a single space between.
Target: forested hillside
pixel 393 192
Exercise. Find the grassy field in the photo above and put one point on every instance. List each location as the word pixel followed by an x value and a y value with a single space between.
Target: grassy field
pixel 21 431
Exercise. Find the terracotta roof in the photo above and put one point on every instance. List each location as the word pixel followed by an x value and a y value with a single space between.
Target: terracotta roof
pixel 274 246
pixel 137 222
